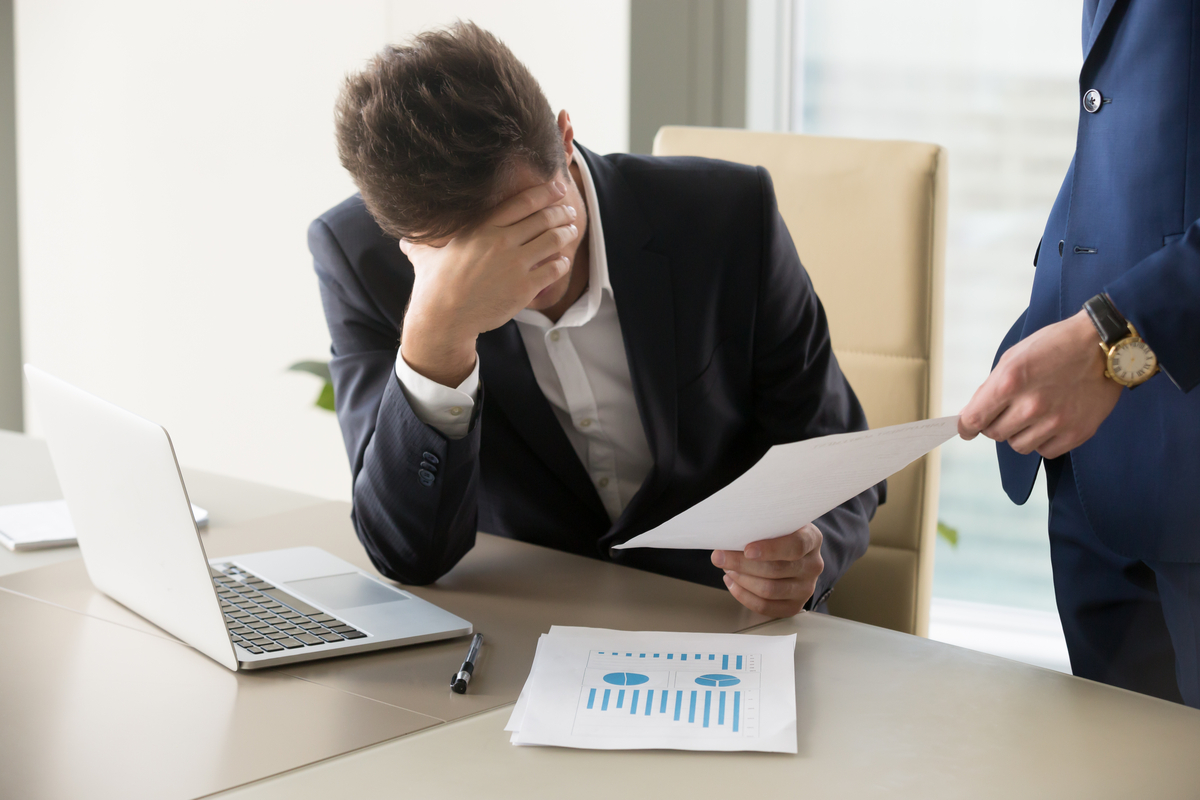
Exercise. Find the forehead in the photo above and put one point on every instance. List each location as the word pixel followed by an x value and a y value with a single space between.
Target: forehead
pixel 521 177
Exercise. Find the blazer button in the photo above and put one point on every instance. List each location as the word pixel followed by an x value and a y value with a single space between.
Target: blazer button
pixel 1060 247
pixel 1092 100
pixel 428 466
pixel 426 477
pixel 430 457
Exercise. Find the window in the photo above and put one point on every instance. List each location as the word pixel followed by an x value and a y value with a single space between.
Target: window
pixel 996 84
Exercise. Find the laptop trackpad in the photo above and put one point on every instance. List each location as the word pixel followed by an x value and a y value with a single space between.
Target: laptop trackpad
pixel 346 591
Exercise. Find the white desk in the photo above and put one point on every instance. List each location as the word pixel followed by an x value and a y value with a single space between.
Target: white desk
pixel 881 714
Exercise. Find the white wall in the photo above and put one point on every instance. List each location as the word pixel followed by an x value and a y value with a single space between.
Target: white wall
pixel 170 158
pixel 579 52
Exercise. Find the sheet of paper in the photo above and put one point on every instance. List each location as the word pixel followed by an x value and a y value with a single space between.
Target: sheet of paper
pixel 518 712
pixel 36 526
pixel 793 484
pixel 621 690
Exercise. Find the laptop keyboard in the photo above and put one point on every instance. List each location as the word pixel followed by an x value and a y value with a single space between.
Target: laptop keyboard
pixel 262 618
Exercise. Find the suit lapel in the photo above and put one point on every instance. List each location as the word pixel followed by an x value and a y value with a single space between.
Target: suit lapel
pixel 1103 10
pixel 505 371
pixel 641 282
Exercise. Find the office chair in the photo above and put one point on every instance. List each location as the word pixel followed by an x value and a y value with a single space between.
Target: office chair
pixel 869 222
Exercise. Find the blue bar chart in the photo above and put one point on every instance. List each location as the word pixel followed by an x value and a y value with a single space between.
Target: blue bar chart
pixel 697 695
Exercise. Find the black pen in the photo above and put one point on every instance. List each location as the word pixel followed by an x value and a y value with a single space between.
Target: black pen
pixel 459 682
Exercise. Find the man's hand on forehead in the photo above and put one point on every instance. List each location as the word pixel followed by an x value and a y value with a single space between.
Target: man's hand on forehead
pixel 478 280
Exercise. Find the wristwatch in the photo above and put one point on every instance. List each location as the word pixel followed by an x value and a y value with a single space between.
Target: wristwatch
pixel 1130 361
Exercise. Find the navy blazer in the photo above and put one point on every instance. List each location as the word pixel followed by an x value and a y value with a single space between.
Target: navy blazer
pixel 1125 222
pixel 728 348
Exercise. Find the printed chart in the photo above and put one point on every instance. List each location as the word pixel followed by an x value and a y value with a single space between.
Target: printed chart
pixel 648 693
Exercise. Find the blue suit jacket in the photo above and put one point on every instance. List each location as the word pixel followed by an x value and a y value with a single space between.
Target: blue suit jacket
pixel 728 349
pixel 1126 217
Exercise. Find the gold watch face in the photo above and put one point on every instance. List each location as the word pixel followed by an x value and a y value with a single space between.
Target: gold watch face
pixel 1132 361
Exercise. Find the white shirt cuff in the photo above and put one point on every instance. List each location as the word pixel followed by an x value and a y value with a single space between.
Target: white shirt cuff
pixel 445 409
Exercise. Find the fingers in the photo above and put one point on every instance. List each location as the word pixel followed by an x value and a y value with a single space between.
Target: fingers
pixel 794 546
pixel 783 557
pixel 1011 422
pixel 549 243
pixel 766 588
pixel 520 206
pixel 548 272
pixel 736 561
pixel 986 405
pixel 1056 446
pixel 558 215
pixel 762 605
pixel 774 577
pixel 1033 437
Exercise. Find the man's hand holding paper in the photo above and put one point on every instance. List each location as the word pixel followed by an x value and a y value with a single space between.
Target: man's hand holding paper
pixel 760 526
pixel 774 577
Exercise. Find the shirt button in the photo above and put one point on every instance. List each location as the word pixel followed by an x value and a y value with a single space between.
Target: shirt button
pixel 603 482
pixel 554 336
pixel 585 423
pixel 457 410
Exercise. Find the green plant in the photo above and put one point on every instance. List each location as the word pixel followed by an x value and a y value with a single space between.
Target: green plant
pixel 948 533
pixel 321 370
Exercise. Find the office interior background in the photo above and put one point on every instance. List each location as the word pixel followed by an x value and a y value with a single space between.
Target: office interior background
pixel 160 162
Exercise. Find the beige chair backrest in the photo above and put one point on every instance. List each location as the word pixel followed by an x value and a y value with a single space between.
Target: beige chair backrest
pixel 869 221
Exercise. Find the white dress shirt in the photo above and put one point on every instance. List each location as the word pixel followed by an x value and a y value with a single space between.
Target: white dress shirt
pixel 580 366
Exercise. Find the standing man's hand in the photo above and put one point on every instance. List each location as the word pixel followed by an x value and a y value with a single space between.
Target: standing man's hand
pixel 479 280
pixel 774 577
pixel 1048 393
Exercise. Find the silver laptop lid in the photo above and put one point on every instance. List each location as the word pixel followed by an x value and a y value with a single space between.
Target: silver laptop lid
pixel 131 513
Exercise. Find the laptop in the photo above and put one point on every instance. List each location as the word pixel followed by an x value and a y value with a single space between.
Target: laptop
pixel 141 547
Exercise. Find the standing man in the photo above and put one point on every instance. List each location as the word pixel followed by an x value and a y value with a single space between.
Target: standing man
pixel 1097 377
pixel 588 345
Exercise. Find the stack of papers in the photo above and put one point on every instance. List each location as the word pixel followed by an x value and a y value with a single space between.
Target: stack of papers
pixel 37 526
pixel 619 690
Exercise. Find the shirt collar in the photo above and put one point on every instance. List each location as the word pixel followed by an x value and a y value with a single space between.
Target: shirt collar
pixel 585 308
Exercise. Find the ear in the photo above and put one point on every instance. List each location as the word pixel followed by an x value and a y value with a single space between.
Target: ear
pixel 568 134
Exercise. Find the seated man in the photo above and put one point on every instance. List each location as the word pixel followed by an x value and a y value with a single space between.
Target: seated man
pixel 588 345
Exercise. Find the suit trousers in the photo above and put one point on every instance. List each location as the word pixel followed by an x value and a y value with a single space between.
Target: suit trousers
pixel 1129 623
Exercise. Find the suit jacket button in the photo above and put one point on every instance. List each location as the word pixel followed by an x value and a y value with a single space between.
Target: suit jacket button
pixel 1060 247
pixel 426 477
pixel 428 466
pixel 1092 100
pixel 430 457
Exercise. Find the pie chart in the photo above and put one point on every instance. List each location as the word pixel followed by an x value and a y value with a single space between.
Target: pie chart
pixel 715 680
pixel 626 678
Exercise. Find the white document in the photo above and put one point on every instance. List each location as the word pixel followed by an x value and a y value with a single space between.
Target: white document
pixel 619 690
pixel 518 712
pixel 796 483
pixel 37 526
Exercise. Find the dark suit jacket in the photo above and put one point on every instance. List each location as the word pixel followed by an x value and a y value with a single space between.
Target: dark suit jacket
pixel 728 349
pixel 1126 218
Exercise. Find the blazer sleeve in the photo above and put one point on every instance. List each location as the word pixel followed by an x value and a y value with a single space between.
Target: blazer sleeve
pixel 415 529
pixel 799 389
pixel 1161 297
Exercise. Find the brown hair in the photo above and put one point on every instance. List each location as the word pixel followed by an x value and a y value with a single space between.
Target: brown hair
pixel 431 131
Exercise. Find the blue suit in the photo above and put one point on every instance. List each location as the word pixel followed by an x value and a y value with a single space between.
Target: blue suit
pixel 1125 513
